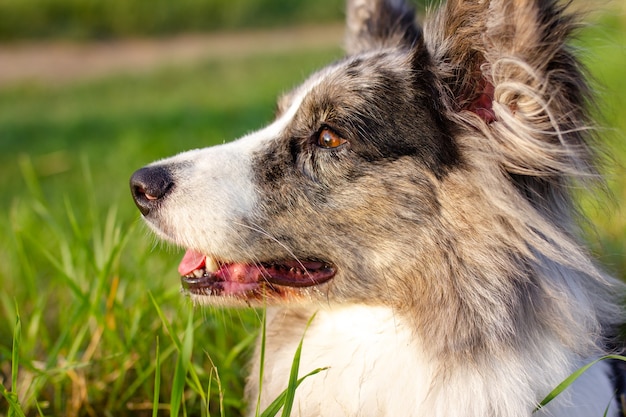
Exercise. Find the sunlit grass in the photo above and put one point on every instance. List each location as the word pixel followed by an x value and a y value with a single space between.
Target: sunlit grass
pixel 95 291
pixel 90 324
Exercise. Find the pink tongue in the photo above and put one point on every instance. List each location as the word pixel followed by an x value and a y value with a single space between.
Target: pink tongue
pixel 190 262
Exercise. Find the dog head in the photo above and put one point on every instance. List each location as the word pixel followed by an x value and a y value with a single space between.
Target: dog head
pixel 429 166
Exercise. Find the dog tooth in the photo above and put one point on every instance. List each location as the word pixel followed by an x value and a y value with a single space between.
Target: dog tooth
pixel 211 265
pixel 198 273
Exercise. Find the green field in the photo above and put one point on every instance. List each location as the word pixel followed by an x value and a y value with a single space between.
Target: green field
pixel 101 326
pixel 106 19
pixel 76 259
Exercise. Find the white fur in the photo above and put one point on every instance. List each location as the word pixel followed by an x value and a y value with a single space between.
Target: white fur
pixel 231 193
pixel 366 348
pixel 362 346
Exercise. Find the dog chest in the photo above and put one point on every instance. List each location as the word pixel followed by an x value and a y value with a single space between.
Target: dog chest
pixel 374 362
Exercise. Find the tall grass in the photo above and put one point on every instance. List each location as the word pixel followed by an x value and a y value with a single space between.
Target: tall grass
pixel 91 319
pixel 102 327
pixel 90 326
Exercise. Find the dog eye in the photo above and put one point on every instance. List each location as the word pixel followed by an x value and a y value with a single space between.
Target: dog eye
pixel 329 139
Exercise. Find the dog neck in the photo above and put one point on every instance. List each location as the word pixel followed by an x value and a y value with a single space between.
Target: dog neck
pixel 376 347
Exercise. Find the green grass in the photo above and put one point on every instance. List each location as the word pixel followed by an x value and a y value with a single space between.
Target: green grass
pixel 102 19
pixel 91 299
pixel 80 265
pixel 605 46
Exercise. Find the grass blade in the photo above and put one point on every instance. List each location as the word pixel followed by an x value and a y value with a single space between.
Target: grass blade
pixel 275 406
pixel 165 322
pixel 219 388
pixel 14 406
pixel 293 378
pixel 11 396
pixel 180 373
pixel 287 397
pixel 15 352
pixel 262 364
pixel 157 381
pixel 143 376
pixel 573 377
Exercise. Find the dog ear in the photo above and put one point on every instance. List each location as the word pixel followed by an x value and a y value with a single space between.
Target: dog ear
pixel 373 24
pixel 505 69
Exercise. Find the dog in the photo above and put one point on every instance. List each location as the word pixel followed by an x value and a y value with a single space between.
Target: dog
pixel 416 196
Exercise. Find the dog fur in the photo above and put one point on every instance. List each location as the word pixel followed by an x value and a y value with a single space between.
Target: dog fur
pixel 417 196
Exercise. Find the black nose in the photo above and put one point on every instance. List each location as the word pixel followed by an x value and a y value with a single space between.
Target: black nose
pixel 149 186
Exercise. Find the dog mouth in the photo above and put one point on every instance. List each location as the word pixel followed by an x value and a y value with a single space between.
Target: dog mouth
pixel 204 275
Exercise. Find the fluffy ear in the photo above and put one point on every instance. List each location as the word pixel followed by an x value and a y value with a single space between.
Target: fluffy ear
pixel 373 24
pixel 506 70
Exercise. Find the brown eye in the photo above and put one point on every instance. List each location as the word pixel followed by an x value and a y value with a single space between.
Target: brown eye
pixel 329 139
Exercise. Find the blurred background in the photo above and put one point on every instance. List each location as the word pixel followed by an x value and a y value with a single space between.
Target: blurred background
pixel 91 320
pixel 110 19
